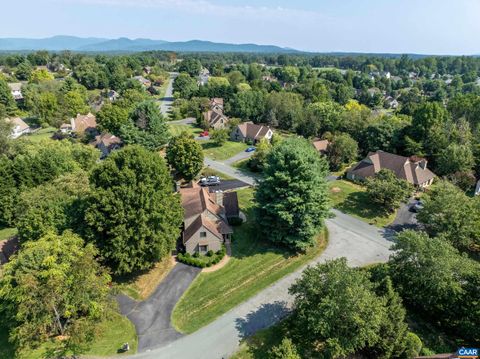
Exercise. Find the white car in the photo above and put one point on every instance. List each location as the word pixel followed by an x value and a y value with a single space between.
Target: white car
pixel 210 181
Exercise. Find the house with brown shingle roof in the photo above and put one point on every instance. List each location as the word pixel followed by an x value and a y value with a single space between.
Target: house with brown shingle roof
pixel 412 169
pixel 205 219
pixel 321 145
pixel 106 143
pixel 215 119
pixel 19 127
pixel 81 124
pixel 249 131
pixel 216 104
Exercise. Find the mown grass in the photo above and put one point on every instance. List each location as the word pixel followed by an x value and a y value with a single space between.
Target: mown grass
pixel 177 128
pixel 42 134
pixel 112 333
pixel 352 199
pixel 208 171
pixel 223 152
pixel 255 264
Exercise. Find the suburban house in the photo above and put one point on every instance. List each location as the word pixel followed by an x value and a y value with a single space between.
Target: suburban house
pixel 113 95
pixel 321 145
pixel 250 132
pixel 205 225
pixel 214 117
pixel 412 169
pixel 16 90
pixel 145 82
pixel 19 127
pixel 106 143
pixel 391 102
pixel 80 125
pixel 203 77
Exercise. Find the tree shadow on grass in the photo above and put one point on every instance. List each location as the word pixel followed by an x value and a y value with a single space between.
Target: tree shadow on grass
pixel 265 316
pixel 359 204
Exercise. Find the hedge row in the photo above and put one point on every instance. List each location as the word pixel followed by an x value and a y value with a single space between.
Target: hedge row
pixel 202 261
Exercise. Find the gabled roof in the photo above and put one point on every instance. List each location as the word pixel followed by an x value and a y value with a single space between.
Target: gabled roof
pixel 196 200
pixel 18 123
pixel 15 86
pixel 84 122
pixel 253 131
pixel 213 117
pixel 321 145
pixel 107 139
pixel 411 169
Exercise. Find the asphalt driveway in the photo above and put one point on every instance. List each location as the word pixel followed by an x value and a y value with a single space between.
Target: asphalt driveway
pixel 152 316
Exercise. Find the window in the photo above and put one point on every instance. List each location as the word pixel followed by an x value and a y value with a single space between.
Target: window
pixel 203 248
pixel 203 234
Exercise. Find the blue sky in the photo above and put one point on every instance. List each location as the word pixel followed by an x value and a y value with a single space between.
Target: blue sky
pixel 400 26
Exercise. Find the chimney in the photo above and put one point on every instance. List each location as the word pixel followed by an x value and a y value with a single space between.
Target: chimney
pixel 423 163
pixel 219 198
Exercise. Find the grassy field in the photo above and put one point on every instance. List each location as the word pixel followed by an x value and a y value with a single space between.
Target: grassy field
pixel 255 264
pixel 223 152
pixel 41 134
pixel 141 286
pixel 6 233
pixel 352 199
pixel 176 129
pixel 112 333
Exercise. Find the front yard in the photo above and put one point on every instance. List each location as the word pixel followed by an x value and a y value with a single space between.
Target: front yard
pixel 255 264
pixel 223 152
pixel 41 134
pixel 352 199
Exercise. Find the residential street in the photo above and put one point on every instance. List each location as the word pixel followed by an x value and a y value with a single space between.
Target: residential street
pixel 238 157
pixel 230 171
pixel 167 100
pixel 359 242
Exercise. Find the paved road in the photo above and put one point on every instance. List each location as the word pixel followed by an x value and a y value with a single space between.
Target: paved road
pixel 167 100
pixel 359 242
pixel 152 316
pixel 185 121
pixel 238 157
pixel 230 171
pixel 227 185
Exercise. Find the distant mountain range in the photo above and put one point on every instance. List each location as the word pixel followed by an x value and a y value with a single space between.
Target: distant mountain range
pixel 93 44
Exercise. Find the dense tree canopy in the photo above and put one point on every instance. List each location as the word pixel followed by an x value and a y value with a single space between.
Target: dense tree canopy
pixel 54 288
pixel 133 214
pixel 292 197
pixel 185 155
pixel 387 190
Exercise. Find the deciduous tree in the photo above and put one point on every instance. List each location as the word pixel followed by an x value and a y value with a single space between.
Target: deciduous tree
pixel 185 155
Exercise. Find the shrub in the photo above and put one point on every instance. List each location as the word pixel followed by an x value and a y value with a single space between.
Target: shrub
pixel 235 221
pixel 196 255
pixel 210 253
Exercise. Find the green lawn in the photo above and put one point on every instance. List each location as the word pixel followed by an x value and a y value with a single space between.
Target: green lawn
pixel 208 171
pixel 176 129
pixel 6 233
pixel 41 134
pixel 352 199
pixel 255 264
pixel 223 152
pixel 258 345
pixel 112 333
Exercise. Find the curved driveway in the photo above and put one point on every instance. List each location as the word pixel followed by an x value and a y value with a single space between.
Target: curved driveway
pixel 358 241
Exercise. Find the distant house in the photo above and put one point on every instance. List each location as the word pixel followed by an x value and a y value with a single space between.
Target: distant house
pixel 19 127
pixel 216 104
pixel 113 95
pixel 250 132
pixel 106 143
pixel 390 102
pixel 215 119
pixel 203 77
pixel 412 169
pixel 145 82
pixel 16 90
pixel 82 124
pixel 205 219
pixel 147 70
pixel 321 145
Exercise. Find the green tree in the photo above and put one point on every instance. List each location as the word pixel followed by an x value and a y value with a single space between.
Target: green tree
pixel 434 279
pixel 455 158
pixel 444 213
pixel 219 137
pixel 191 66
pixel 5 132
pixel 38 76
pixel 6 98
pixel 185 86
pixel 387 190
pixel 336 309
pixel 185 155
pixel 320 117
pixel 285 350
pixel 23 71
pixel 342 150
pixel 248 105
pixel 292 197
pixel 74 103
pixel 54 287
pixel 235 78
pixel 8 192
pixel 284 110
pixel 52 207
pixel 133 214
pixel 47 108
pixel 257 161
pixel 111 118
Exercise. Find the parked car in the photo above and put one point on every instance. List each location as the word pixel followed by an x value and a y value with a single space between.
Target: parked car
pixel 250 149
pixel 204 134
pixel 210 181
pixel 417 206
